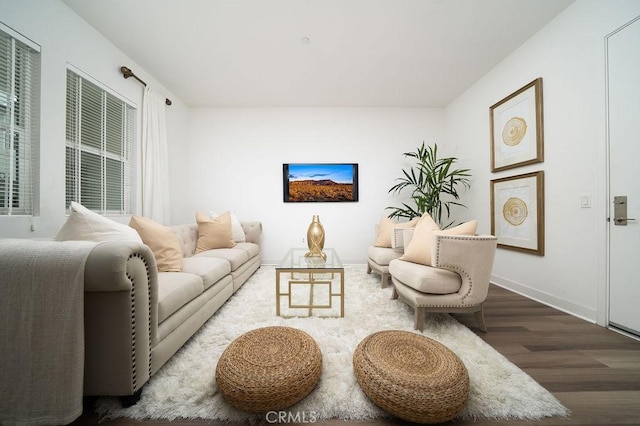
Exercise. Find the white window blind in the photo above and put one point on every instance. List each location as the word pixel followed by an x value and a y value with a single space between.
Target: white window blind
pixel 19 125
pixel 99 155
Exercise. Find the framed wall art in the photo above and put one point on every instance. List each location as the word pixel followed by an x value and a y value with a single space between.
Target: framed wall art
pixel 517 212
pixel 319 182
pixel 517 128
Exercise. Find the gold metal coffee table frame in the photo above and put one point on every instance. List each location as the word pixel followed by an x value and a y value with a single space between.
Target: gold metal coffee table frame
pixel 298 265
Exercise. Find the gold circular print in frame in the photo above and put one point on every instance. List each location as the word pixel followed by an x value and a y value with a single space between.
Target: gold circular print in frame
pixel 515 211
pixel 514 130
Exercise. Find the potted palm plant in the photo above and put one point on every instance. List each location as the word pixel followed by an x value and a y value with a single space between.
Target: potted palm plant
pixel 434 184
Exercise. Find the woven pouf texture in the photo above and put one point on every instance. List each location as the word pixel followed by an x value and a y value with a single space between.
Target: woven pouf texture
pixel 269 369
pixel 411 376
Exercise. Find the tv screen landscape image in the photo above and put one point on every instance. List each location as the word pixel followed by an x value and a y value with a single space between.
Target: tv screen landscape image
pixel 320 182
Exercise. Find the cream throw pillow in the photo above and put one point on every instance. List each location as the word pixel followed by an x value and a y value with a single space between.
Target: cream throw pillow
pixel 162 241
pixel 214 233
pixel 467 228
pixel 419 247
pixel 237 233
pixel 385 230
pixel 85 225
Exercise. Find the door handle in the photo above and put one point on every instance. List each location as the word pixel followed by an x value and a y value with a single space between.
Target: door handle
pixel 623 220
pixel 620 211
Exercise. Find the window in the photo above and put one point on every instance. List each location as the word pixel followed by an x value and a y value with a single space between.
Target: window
pixel 99 154
pixel 19 109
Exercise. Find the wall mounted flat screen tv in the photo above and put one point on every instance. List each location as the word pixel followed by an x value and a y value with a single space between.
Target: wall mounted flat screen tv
pixel 320 182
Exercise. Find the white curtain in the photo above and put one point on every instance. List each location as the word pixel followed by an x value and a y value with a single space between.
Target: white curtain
pixel 155 160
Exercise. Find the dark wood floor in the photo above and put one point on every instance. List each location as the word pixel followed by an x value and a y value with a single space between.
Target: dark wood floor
pixel 593 371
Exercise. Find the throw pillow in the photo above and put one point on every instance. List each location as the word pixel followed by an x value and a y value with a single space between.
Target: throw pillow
pixel 467 228
pixel 420 251
pixel 85 225
pixel 214 233
pixel 419 248
pixel 386 228
pixel 237 233
pixel 162 241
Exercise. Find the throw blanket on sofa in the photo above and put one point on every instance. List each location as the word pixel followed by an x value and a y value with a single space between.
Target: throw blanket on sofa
pixel 41 330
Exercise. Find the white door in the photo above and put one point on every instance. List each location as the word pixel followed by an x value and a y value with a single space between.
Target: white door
pixel 623 66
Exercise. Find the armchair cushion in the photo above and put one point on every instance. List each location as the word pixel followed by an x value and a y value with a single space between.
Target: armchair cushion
pixel 425 280
pixel 382 255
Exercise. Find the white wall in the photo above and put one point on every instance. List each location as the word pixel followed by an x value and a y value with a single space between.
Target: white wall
pixel 569 56
pixel 67 39
pixel 235 158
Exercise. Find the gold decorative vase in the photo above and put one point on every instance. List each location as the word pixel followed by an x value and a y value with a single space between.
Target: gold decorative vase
pixel 315 238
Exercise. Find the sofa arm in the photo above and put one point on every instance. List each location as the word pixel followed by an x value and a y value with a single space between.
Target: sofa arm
pixel 252 231
pixel 121 317
pixel 106 266
pixel 471 257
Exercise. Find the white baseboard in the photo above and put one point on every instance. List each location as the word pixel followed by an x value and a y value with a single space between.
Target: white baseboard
pixel 565 306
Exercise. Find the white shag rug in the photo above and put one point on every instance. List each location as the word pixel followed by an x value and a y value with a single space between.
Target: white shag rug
pixel 185 386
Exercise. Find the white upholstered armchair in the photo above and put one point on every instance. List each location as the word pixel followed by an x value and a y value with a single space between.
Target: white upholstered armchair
pixel 456 281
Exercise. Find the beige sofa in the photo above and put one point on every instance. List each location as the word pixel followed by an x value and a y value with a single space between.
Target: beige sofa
pixel 136 318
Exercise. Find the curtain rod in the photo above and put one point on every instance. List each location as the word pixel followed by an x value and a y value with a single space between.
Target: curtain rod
pixel 126 73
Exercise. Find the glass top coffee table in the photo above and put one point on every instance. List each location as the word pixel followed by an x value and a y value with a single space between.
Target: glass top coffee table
pixel 312 283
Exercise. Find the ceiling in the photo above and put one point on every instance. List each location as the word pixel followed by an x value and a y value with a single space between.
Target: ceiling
pixel 392 53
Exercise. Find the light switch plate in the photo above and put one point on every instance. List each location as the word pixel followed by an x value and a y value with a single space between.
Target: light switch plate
pixel 585 201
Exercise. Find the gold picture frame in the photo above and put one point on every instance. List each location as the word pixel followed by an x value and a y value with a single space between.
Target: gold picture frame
pixel 517 128
pixel 517 212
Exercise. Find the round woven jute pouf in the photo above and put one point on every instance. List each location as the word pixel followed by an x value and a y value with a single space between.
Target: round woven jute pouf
pixel 269 369
pixel 411 376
